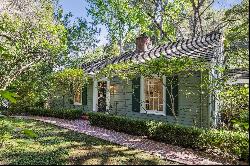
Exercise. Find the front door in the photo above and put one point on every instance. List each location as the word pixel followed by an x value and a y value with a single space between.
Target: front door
pixel 102 94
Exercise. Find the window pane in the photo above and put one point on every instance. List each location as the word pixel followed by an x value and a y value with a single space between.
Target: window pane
pixel 153 94
pixel 77 97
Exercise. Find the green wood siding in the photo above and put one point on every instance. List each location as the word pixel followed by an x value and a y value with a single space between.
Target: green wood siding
pixel 192 107
pixel 172 90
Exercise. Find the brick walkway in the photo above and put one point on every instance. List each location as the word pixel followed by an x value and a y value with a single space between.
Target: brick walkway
pixel 165 151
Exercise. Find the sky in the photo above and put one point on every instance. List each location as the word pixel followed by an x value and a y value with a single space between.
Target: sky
pixel 78 9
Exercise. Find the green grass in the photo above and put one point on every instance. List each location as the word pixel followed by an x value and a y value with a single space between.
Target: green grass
pixel 54 145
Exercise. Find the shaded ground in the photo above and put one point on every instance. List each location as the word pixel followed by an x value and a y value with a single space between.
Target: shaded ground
pixel 165 151
pixel 54 145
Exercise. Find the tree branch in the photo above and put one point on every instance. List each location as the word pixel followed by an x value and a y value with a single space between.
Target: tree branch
pixel 159 26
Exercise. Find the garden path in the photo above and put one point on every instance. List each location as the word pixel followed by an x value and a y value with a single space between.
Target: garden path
pixel 165 151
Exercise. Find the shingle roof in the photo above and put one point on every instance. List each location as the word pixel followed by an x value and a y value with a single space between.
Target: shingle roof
pixel 238 73
pixel 198 47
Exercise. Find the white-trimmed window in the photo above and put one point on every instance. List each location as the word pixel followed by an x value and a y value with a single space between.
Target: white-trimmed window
pixel 153 95
pixel 78 97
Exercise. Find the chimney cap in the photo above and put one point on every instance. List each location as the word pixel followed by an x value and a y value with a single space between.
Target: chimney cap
pixel 143 35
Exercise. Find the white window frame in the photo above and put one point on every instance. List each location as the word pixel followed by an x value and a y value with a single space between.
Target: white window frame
pixel 142 98
pixel 95 94
pixel 77 103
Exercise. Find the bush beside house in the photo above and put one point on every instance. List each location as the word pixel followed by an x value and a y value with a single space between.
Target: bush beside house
pixel 57 113
pixel 235 143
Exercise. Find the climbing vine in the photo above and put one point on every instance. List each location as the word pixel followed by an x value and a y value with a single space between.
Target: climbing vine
pixel 166 67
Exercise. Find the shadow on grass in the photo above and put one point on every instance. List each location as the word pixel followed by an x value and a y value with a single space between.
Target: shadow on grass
pixel 31 157
pixel 109 156
pixel 55 145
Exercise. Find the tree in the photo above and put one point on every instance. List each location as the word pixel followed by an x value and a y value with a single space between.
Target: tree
pixel 67 82
pixel 27 39
pixel 81 37
pixel 235 107
pixel 33 86
pixel 119 18
pixel 236 25
pixel 235 98
pixel 77 38
pixel 161 20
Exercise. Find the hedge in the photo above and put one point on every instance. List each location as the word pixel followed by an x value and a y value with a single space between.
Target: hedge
pixel 57 113
pixel 118 123
pixel 234 143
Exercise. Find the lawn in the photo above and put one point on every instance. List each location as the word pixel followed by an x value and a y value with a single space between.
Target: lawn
pixel 53 145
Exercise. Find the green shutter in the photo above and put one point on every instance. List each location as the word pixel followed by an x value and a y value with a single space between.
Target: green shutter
pixel 84 95
pixel 136 94
pixel 175 93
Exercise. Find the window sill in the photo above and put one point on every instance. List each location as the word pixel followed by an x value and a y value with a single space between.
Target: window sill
pixel 77 103
pixel 153 112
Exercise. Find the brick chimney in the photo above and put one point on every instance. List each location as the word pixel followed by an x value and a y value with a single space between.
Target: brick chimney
pixel 142 43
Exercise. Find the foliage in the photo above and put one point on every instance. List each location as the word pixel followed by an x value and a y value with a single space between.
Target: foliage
pixel 58 146
pixel 168 20
pixel 27 39
pixel 235 107
pixel 40 85
pixel 114 15
pixel 232 142
pixel 68 78
pixel 44 46
pixel 68 82
pixel 33 86
pixel 235 143
pixel 81 38
pixel 10 96
pixel 161 20
pixel 58 113
pixel 4 132
pixel 118 123
pixel 164 67
pixel 236 22
pixel 160 66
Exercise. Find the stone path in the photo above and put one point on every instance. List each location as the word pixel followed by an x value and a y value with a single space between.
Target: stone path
pixel 165 151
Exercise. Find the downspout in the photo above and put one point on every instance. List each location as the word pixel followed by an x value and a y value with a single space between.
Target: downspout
pixel 214 100
pixel 211 100
pixel 210 108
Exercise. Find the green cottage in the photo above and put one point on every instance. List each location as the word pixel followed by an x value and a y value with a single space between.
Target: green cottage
pixel 147 98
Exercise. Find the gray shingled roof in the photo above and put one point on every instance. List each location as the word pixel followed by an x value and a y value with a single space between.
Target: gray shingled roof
pixel 198 47
pixel 238 73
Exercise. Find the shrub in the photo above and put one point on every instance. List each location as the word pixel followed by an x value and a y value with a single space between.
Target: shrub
pixel 58 113
pixel 235 107
pixel 230 142
pixel 118 123
pixel 174 134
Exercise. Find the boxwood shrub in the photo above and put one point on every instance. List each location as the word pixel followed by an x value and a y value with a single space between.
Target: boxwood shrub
pixel 118 123
pixel 58 113
pixel 234 143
